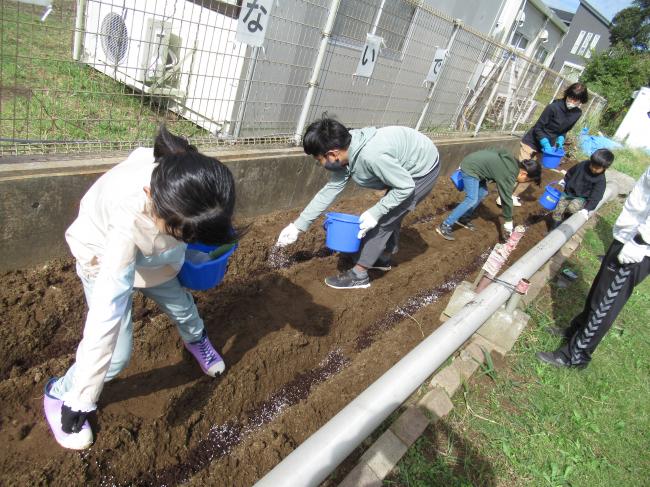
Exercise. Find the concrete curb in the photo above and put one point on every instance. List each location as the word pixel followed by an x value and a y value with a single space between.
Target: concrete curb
pixel 496 335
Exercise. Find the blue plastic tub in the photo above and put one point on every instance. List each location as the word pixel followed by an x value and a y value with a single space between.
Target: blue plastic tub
pixel 551 159
pixel 204 275
pixel 342 230
pixel 457 178
pixel 550 198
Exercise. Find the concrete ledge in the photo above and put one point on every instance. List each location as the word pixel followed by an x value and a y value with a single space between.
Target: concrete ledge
pixel 41 199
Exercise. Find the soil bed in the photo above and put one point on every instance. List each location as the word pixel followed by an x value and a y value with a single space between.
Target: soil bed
pixel 296 350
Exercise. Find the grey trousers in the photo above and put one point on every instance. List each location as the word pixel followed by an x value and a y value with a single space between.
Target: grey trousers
pixel 385 236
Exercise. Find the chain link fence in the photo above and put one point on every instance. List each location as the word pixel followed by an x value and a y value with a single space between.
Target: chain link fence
pixel 100 75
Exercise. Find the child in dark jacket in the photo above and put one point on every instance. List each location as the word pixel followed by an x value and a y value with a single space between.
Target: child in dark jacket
pixel 584 186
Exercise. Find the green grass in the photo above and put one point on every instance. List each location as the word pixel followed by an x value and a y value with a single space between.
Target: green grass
pixel 633 162
pixel 45 94
pixel 538 425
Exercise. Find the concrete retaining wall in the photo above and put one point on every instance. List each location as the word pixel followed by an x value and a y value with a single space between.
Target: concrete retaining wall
pixel 40 199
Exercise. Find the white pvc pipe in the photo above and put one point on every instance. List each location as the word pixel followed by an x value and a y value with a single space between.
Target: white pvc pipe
pixel 310 463
pixel 313 81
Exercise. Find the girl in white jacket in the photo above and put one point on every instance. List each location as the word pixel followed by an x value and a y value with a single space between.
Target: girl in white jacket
pixel 131 232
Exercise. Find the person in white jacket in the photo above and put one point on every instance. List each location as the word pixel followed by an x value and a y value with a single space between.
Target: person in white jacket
pixel 626 264
pixel 131 232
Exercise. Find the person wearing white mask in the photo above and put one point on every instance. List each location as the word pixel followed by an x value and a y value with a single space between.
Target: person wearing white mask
pixel 550 130
pixel 400 160
pixel 626 265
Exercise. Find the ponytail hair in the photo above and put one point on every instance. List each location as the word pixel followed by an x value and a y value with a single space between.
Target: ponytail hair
pixel 167 144
pixel 192 193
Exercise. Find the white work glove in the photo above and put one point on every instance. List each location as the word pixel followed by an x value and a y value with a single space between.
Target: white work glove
pixel 366 222
pixel 562 183
pixel 508 227
pixel 632 253
pixel 584 213
pixel 288 235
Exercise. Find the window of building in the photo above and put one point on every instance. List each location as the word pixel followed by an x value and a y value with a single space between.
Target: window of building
pixel 571 71
pixel 578 41
pixel 519 41
pixel 592 47
pixel 355 19
pixel 540 55
pixel 585 44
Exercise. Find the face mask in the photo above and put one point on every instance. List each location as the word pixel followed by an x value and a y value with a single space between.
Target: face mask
pixel 333 166
pixel 570 105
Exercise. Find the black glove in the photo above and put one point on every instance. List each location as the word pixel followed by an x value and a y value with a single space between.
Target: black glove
pixel 72 421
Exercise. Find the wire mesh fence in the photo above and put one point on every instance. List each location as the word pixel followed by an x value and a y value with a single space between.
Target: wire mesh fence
pixel 91 76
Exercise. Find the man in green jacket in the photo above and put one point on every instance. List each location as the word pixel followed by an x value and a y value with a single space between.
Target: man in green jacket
pixel 399 159
pixel 496 165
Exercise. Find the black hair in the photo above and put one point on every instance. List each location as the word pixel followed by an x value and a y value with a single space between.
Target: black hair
pixel 192 193
pixel 602 158
pixel 325 135
pixel 533 168
pixel 577 91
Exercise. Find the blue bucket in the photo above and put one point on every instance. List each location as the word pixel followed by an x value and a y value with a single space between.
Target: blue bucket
pixel 550 198
pixel 204 275
pixel 457 178
pixel 551 159
pixel 342 230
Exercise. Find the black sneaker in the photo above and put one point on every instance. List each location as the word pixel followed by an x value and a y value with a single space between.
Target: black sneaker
pixel 347 280
pixel 382 265
pixel 445 231
pixel 466 222
pixel 557 359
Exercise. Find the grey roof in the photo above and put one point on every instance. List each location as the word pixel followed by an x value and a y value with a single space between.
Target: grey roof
pixel 595 12
pixel 565 16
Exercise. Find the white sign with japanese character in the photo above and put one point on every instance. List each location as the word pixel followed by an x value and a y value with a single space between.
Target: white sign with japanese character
pixel 369 56
pixel 253 21
pixel 436 66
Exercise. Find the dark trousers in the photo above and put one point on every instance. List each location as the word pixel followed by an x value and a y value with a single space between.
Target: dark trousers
pixel 385 236
pixel 609 292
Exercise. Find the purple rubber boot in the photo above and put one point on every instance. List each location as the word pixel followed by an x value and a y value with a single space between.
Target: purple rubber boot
pixel 73 441
pixel 208 358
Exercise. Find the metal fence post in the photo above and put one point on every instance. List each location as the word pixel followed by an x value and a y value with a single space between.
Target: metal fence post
pixel 427 101
pixel 79 30
pixel 493 92
pixel 313 81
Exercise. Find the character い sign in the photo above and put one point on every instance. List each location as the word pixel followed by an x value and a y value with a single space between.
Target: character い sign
pixel 253 21
pixel 369 56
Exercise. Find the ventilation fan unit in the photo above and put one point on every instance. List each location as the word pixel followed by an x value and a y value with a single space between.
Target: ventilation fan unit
pixel 182 50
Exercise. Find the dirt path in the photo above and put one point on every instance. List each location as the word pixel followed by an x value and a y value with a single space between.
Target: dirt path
pixel 297 352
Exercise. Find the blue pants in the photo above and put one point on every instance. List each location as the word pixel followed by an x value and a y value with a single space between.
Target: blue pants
pixel 171 297
pixel 475 191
